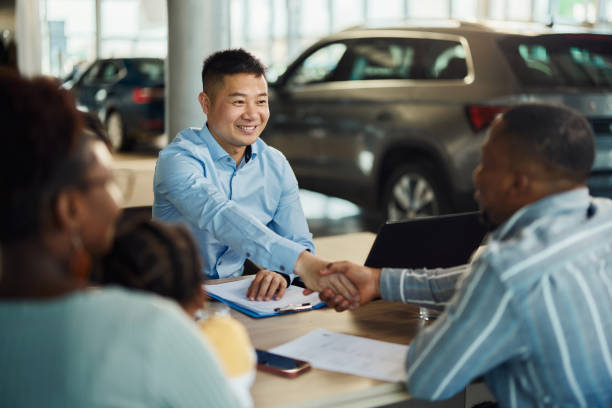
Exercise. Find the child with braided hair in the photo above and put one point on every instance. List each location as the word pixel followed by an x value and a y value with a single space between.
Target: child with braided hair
pixel 163 258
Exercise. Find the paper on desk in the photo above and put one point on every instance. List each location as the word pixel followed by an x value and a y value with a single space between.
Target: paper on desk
pixel 235 292
pixel 348 354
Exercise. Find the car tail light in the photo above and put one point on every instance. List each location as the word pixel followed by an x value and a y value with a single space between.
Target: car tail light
pixel 481 116
pixel 146 95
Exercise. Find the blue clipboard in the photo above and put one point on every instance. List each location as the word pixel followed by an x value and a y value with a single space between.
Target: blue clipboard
pixel 258 315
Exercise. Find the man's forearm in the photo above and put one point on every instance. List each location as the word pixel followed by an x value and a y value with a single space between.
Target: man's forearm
pixel 427 287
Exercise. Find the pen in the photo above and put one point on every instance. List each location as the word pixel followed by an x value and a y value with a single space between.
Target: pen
pixel 294 308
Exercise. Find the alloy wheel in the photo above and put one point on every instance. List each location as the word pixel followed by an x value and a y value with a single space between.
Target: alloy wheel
pixel 411 196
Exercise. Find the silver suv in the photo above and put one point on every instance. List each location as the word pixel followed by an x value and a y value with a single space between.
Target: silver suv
pixel 393 118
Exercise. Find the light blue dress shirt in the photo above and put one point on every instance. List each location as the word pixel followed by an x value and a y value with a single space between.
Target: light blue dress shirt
pixel 532 316
pixel 250 211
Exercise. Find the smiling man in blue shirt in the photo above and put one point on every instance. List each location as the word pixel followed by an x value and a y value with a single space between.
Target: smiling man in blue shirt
pixel 532 313
pixel 238 195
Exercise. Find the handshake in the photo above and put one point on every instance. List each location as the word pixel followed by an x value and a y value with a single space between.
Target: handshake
pixel 342 285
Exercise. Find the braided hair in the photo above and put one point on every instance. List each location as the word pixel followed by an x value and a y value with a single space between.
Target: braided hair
pixel 156 257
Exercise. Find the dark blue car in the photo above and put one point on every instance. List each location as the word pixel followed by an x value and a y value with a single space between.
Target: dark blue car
pixel 128 96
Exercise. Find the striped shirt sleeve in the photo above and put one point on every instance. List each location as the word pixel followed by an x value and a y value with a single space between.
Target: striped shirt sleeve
pixel 426 287
pixel 477 332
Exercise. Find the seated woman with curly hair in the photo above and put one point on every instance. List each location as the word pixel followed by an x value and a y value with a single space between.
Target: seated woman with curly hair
pixel 64 344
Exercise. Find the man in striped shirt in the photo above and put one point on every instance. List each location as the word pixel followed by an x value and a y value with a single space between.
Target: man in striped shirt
pixel 532 312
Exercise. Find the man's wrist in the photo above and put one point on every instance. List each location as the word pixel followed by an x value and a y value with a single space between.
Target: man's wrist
pixel 377 275
pixel 287 277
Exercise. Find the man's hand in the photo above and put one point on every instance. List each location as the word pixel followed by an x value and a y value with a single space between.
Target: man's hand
pixel 265 285
pixel 308 267
pixel 367 281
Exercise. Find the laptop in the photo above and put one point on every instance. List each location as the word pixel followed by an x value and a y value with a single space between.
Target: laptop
pixel 431 242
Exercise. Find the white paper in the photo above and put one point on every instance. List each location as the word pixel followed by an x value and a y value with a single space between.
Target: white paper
pixel 348 354
pixel 235 292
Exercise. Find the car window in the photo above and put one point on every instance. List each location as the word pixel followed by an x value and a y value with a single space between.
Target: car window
pixel 382 60
pixel 90 76
pixel 318 66
pixel 408 58
pixel 450 62
pixel 110 72
pixel 151 70
pixel 576 60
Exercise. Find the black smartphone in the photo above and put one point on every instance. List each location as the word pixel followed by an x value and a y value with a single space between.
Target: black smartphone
pixel 285 366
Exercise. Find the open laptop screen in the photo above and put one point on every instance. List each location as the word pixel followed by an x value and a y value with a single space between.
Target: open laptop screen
pixel 432 242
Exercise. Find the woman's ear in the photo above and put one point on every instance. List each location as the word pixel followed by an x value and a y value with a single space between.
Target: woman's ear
pixel 66 210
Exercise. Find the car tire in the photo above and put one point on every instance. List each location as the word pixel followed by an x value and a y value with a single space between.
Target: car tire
pixel 116 130
pixel 414 190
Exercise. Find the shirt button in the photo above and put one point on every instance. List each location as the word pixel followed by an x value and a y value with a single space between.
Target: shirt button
pixel 220 262
pixel 248 254
pixel 282 268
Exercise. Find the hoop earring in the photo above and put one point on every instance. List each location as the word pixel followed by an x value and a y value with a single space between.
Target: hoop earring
pixel 80 264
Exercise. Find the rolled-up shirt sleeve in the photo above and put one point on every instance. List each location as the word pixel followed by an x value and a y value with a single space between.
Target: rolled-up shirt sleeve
pixel 426 287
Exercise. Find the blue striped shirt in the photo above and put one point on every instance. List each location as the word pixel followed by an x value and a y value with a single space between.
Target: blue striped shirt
pixel 533 315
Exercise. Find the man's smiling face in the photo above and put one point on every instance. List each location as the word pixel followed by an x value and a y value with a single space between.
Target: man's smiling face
pixel 238 111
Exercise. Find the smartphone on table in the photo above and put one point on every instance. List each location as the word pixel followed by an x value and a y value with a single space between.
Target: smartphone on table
pixel 281 365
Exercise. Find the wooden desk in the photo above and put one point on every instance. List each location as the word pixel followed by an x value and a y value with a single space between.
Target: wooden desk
pixel 380 320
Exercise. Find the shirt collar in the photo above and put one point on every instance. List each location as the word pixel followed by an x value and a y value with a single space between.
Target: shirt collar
pixel 217 152
pixel 556 204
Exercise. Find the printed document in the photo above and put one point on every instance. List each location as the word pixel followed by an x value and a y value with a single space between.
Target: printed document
pixel 348 354
pixel 235 292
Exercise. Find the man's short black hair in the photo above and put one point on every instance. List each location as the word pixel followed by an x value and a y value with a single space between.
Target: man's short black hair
pixel 561 137
pixel 228 62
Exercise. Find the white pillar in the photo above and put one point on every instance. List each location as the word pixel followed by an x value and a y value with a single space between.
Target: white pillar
pixel 28 37
pixel 196 28
pixel 98 7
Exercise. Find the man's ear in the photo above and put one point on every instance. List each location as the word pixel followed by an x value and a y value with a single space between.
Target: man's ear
pixel 205 102
pixel 521 184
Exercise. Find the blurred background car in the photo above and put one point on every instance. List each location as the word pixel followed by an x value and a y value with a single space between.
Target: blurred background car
pixel 128 96
pixel 392 118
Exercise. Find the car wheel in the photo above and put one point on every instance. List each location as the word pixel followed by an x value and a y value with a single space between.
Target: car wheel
pixel 412 191
pixel 116 133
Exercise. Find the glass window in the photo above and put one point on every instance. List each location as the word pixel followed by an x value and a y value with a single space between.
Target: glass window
pixel 91 75
pixel 450 61
pixel 385 9
pixel 110 72
pixel 577 60
pixel 152 70
pixel 382 60
pixel 520 10
pixel 346 13
pixel 319 66
pixel 428 9
pixel 442 59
